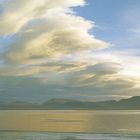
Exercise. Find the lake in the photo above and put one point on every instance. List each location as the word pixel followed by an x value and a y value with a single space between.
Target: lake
pixel 69 125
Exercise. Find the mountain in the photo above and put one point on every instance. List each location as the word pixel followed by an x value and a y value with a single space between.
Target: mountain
pixel 74 104
pixel 131 103
pixel 18 105
pixel 70 104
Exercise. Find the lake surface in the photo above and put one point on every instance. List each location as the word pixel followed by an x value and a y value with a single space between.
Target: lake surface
pixel 69 125
pixel 64 136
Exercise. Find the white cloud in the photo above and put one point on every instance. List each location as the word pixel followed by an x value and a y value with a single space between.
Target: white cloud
pixel 17 13
pixel 56 34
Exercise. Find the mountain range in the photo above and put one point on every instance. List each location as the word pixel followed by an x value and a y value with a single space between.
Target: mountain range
pixel 132 103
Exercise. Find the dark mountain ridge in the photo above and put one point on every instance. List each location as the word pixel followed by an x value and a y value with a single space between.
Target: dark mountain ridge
pixel 132 103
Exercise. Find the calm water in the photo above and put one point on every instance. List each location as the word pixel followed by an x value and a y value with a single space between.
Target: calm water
pixel 70 125
pixel 65 136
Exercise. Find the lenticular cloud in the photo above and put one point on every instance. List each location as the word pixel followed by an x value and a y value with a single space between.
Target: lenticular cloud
pixel 45 29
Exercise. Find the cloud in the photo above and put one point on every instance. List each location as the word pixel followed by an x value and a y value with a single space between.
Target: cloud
pixel 44 29
pixel 16 14
pixel 57 80
pixel 40 69
pixel 54 35
pixel 54 44
pixel 48 51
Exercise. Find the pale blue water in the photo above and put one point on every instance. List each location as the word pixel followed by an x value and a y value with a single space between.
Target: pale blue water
pixel 64 136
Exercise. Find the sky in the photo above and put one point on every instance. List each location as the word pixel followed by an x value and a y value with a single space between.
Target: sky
pixel 79 49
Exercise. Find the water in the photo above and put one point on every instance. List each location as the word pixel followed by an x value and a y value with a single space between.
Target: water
pixel 64 136
pixel 69 125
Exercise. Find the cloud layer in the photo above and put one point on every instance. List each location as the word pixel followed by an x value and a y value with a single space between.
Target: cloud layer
pixel 45 44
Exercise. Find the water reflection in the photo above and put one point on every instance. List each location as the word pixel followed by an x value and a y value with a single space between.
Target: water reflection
pixel 72 121
pixel 115 121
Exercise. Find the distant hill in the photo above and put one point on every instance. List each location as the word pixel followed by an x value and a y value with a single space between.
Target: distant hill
pixel 70 104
